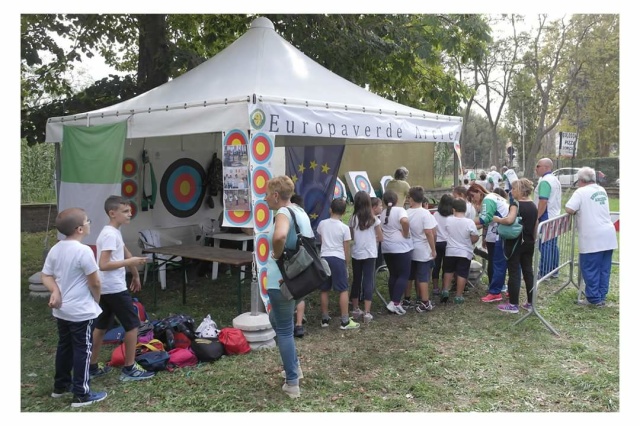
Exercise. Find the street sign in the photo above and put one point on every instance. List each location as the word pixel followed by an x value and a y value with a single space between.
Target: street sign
pixel 566 144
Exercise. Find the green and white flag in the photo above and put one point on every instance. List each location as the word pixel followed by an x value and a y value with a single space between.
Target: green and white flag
pixel 91 170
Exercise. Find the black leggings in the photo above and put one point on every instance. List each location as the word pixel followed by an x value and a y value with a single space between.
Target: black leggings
pixel 522 258
pixel 441 247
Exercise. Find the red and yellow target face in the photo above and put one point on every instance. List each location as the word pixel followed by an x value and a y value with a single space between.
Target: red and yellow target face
pixel 259 178
pixel 129 167
pixel 362 184
pixel 235 137
pixel 129 188
pixel 134 208
pixel 261 148
pixel 238 217
pixel 339 189
pixel 261 216
pixel 263 249
pixel 263 280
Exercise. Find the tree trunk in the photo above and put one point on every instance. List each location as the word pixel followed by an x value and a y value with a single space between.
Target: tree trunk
pixel 153 59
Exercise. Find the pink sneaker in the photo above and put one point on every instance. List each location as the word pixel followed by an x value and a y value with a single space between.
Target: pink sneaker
pixel 492 298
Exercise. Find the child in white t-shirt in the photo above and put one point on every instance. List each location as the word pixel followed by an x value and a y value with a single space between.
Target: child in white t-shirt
pixel 335 238
pixel 463 234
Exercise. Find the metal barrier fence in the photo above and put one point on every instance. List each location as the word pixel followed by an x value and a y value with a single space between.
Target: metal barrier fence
pixel 556 249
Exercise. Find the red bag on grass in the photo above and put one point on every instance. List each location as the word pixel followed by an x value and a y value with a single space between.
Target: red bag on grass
pixel 233 341
pixel 181 357
pixel 117 356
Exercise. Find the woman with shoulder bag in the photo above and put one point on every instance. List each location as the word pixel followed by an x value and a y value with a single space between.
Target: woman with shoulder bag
pixel 278 197
pixel 520 249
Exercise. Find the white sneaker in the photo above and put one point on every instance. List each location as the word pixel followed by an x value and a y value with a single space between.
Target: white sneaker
pixel 396 309
pixel 283 374
pixel 357 314
pixel 367 318
pixel 292 390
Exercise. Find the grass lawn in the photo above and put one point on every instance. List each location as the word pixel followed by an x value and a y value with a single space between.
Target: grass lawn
pixel 456 358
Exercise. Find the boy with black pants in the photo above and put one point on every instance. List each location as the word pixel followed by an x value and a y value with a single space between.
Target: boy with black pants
pixel 115 299
pixel 70 273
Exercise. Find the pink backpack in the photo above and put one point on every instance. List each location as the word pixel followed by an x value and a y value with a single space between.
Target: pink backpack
pixel 182 357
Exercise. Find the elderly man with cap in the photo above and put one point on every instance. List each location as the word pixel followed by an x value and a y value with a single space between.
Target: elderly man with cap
pixel 400 186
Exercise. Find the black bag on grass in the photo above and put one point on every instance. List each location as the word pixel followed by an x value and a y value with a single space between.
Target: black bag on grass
pixel 207 349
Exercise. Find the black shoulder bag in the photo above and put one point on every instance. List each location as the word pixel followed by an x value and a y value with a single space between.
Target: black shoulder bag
pixel 302 268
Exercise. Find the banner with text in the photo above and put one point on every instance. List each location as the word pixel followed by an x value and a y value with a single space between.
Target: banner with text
pixel 303 121
pixel 566 144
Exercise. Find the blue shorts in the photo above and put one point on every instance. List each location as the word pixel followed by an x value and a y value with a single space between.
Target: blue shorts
pixel 338 279
pixel 119 305
pixel 421 271
pixel 458 265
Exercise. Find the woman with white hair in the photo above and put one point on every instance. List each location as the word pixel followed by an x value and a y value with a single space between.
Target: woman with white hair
pixel 596 235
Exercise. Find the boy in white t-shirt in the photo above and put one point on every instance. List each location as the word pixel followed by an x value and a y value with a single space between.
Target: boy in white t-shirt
pixel 335 238
pixel 70 273
pixel 463 234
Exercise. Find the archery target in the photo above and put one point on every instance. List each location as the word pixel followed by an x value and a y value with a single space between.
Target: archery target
pixel 339 190
pixel 262 249
pixel 129 188
pixel 261 148
pixel 237 217
pixel 235 137
pixel 129 167
pixel 359 181
pixel 134 208
pixel 263 280
pixel 261 216
pixel 259 179
pixel 181 187
pixel 384 181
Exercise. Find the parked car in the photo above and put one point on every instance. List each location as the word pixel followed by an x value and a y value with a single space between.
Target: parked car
pixel 566 176
pixel 618 182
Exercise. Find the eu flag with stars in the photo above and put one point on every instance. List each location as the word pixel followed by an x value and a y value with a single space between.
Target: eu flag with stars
pixel 313 170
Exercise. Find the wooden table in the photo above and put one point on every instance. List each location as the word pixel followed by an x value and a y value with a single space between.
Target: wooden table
pixel 228 236
pixel 199 252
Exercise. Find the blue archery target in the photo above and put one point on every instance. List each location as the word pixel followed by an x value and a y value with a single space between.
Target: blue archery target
pixel 362 184
pixel 384 181
pixel 181 187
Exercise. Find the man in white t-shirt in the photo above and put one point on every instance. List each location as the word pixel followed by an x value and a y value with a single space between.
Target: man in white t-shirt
pixel 547 196
pixel 494 178
pixel 596 235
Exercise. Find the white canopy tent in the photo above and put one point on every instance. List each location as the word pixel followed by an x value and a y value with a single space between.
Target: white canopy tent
pixel 259 83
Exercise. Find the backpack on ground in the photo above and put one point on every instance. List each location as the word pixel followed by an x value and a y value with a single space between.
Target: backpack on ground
pixel 182 357
pixel 114 336
pixel 165 330
pixel 207 350
pixel 140 310
pixel 233 341
pixel 153 360
pixel 145 332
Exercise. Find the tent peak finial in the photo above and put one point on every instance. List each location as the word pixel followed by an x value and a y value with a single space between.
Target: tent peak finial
pixel 262 22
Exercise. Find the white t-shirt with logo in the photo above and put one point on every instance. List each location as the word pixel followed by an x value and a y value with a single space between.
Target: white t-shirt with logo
pixel 69 262
pixel 595 230
pixel 113 281
pixel 333 233
pixel 419 220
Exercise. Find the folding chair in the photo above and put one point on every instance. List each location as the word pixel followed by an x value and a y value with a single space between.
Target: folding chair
pixel 151 238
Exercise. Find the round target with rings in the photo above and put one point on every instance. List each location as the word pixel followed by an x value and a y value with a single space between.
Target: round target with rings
pixel 235 137
pixel 259 178
pixel 263 249
pixel 261 216
pixel 263 280
pixel 129 188
pixel 384 181
pixel 181 187
pixel 134 208
pixel 261 148
pixel 129 167
pixel 238 217
pixel 339 190
pixel 362 184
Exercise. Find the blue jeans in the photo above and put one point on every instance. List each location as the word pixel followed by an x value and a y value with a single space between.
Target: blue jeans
pixel 499 269
pixel 281 319
pixel 596 270
pixel 73 355
pixel 549 257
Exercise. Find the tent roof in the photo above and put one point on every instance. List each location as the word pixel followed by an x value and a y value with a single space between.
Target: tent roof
pixel 260 63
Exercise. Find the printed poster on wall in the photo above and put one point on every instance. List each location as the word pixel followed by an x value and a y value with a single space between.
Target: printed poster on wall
pixel 236 194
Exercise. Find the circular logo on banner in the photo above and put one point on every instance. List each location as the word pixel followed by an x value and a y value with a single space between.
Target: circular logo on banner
pixel 181 187
pixel 238 217
pixel 235 137
pixel 259 178
pixel 362 184
pixel 129 167
pixel 257 119
pixel 134 208
pixel 261 148
pixel 262 249
pixel 261 216
pixel 129 188
pixel 339 190
pixel 263 280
